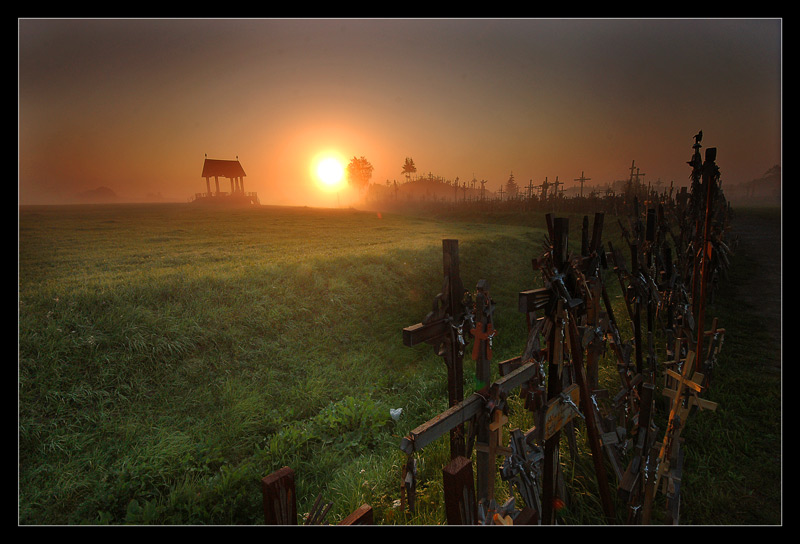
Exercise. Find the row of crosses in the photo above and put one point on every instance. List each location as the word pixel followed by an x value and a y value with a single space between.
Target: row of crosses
pixel 571 324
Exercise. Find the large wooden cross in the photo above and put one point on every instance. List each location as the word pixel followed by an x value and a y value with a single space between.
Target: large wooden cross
pixel 444 328
pixel 471 409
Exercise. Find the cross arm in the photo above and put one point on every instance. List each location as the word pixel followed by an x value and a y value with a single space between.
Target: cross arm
pixel 424 332
pixel 464 410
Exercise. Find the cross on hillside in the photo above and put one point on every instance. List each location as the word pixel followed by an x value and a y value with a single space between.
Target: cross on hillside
pixel 556 183
pixel 544 187
pixel 582 179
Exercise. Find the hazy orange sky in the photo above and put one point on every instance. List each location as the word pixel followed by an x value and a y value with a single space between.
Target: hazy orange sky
pixel 135 105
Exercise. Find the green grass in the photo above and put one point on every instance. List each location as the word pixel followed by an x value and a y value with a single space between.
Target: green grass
pixel 170 357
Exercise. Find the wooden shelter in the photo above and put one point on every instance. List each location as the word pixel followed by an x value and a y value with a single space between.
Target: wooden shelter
pixel 233 171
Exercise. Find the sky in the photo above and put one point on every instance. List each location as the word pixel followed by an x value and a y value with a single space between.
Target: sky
pixel 136 105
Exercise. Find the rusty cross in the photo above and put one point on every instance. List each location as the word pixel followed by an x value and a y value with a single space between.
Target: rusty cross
pixel 481 335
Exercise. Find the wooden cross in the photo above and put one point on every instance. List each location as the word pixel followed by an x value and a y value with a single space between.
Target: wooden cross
pixel 468 410
pixel 582 180
pixel 482 336
pixel 530 189
pixel 639 175
pixel 544 187
pixel 501 192
pixel 684 397
pixel 441 328
pixel 556 183
pixel 488 447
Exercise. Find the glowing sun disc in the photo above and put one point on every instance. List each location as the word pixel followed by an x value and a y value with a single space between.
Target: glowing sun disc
pixel 330 171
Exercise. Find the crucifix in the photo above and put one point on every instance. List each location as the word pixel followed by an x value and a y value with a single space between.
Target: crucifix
pixel 582 180
pixel 501 192
pixel 530 189
pixel 444 328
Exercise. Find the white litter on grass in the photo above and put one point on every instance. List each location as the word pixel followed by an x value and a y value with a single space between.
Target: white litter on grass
pixel 395 413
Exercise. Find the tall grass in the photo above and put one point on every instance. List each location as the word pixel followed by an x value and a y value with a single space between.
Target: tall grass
pixel 170 357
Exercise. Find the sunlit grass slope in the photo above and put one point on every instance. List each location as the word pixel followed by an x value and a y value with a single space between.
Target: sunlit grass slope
pixel 169 357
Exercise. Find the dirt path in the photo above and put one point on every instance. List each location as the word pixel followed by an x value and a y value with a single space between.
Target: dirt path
pixel 759 236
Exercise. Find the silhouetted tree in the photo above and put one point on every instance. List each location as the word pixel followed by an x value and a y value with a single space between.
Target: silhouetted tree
pixel 359 172
pixel 511 186
pixel 409 168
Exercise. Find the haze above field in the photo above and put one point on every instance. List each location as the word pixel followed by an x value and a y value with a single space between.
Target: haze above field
pixel 134 105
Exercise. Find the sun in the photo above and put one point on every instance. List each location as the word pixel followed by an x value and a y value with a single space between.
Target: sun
pixel 328 168
pixel 330 171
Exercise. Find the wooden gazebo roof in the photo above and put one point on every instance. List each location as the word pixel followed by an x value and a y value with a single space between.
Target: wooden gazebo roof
pixel 222 168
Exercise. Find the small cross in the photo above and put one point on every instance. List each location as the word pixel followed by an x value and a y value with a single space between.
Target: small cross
pixel 481 335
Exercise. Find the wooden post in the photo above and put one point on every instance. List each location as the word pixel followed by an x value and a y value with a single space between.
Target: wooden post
pixel 482 354
pixel 360 516
pixel 279 500
pixel 710 179
pixel 591 422
pixel 459 492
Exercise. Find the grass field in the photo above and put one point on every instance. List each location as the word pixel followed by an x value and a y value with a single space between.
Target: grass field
pixel 170 357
